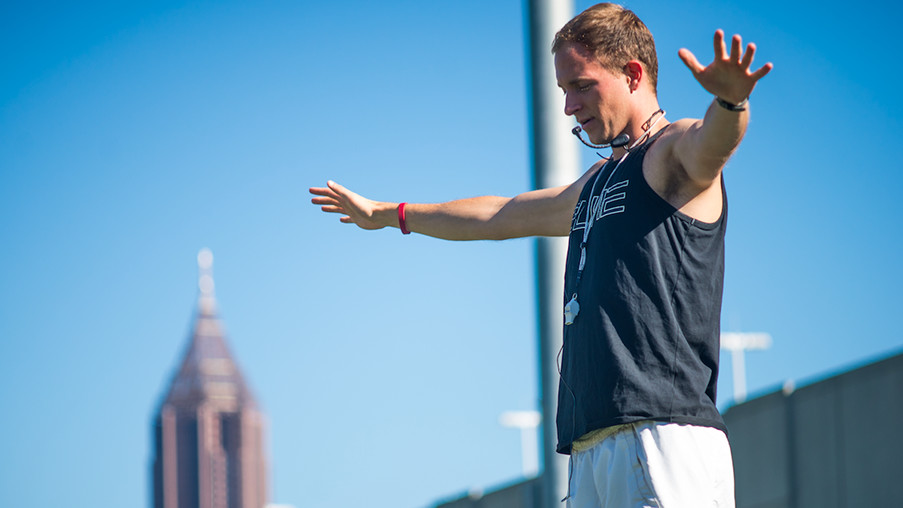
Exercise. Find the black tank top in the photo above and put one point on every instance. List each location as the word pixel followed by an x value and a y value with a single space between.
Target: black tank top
pixel 645 343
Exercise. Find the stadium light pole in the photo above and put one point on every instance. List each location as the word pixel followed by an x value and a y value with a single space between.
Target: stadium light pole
pixel 527 422
pixel 555 161
pixel 737 343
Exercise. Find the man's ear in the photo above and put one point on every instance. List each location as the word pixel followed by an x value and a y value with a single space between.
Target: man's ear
pixel 635 74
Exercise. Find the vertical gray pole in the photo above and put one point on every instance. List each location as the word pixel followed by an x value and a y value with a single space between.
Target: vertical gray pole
pixel 555 162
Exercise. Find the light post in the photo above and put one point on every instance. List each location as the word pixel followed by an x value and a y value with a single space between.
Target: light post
pixel 527 422
pixel 737 343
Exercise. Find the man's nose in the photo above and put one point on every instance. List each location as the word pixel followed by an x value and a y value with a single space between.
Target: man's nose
pixel 571 106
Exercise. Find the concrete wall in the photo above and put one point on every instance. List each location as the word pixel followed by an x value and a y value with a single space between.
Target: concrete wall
pixel 836 443
pixel 519 495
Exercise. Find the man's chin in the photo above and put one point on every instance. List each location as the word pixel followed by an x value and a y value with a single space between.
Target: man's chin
pixel 599 140
pixel 594 138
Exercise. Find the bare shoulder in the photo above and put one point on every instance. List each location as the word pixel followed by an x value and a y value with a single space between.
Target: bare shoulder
pixel 669 178
pixel 569 194
pixel 662 167
pixel 590 172
pixel 664 145
pixel 573 190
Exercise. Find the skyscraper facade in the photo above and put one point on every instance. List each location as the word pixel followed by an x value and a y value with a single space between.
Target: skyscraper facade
pixel 208 432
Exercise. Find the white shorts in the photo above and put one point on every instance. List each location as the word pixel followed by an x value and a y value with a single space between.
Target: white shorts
pixel 654 464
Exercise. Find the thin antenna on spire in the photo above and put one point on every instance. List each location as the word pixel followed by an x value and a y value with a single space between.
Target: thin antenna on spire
pixel 205 280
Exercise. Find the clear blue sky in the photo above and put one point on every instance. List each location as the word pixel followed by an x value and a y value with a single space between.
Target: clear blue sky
pixel 132 135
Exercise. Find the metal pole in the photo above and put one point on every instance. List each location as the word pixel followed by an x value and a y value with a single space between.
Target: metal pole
pixel 555 162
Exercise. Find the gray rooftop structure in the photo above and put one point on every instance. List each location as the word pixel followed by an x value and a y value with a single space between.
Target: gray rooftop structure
pixel 834 443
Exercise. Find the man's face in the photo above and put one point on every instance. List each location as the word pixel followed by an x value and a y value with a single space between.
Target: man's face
pixel 598 99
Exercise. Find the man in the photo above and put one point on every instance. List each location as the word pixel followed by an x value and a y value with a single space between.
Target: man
pixel 644 273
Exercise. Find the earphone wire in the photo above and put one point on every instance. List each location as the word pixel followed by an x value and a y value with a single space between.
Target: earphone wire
pixel 587 226
pixel 578 129
pixel 590 209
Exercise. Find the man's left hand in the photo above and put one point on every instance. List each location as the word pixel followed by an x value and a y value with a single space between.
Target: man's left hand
pixel 728 76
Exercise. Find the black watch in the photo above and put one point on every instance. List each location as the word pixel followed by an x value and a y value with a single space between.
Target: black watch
pixel 741 106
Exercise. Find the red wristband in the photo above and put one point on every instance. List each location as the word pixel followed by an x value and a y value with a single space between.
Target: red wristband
pixel 401 223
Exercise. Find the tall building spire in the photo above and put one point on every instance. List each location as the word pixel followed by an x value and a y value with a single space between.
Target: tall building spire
pixel 208 431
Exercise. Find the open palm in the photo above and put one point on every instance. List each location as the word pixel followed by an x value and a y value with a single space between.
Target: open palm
pixel 728 76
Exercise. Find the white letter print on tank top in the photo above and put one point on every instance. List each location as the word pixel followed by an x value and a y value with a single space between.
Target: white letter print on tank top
pixel 614 198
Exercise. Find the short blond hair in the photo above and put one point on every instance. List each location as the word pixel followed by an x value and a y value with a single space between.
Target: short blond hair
pixel 614 35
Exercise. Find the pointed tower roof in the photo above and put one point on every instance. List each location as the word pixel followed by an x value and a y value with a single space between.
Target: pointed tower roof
pixel 208 372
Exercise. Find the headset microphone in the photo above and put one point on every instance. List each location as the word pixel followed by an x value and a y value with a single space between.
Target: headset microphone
pixel 619 141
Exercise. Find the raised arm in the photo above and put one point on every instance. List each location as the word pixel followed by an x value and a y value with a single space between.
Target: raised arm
pixel 707 144
pixel 545 212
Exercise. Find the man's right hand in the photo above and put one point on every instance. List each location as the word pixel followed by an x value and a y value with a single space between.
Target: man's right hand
pixel 544 212
pixel 356 209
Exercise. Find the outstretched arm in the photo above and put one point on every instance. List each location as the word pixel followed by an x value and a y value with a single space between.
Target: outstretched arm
pixel 545 212
pixel 707 144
